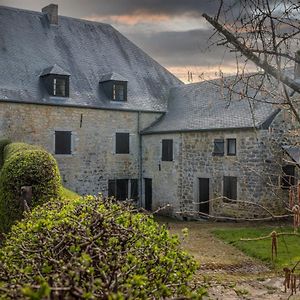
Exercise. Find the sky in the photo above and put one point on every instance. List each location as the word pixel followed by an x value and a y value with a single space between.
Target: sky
pixel 173 32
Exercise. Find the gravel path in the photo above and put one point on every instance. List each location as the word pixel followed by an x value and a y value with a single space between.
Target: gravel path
pixel 227 272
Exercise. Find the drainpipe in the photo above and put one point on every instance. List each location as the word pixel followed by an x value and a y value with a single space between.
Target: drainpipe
pixel 140 160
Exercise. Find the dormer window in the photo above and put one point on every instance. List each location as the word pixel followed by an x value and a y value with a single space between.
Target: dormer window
pixel 59 87
pixel 118 92
pixel 114 87
pixel 56 81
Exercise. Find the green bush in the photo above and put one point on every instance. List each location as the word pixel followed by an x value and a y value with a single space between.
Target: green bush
pixel 3 143
pixel 25 165
pixel 92 248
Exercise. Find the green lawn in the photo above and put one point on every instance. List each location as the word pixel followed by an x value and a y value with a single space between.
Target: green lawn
pixel 68 194
pixel 288 246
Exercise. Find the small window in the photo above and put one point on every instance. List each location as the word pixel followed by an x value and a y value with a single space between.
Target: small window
pixel 230 188
pixel 122 143
pixel 288 176
pixel 119 189
pixel 231 146
pixel 219 147
pixel 167 150
pixel 118 92
pixel 63 142
pixel 59 86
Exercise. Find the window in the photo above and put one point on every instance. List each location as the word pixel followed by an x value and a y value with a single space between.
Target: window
pixel 230 188
pixel 219 147
pixel 118 92
pixel 63 142
pixel 122 143
pixel 58 85
pixel 167 150
pixel 288 176
pixel 119 189
pixel 231 146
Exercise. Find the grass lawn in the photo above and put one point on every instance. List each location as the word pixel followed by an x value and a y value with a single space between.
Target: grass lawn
pixel 68 194
pixel 288 246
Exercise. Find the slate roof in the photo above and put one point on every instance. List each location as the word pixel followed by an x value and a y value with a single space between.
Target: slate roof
pixel 206 106
pixel 85 50
pixel 293 152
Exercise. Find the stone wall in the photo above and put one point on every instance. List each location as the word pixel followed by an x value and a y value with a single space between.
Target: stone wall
pixel 256 167
pixel 165 175
pixel 93 160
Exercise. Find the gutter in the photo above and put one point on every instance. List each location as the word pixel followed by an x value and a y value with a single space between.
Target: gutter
pixel 80 106
pixel 140 160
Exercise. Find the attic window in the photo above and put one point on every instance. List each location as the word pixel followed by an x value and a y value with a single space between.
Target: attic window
pixel 114 86
pixel 118 92
pixel 56 81
pixel 59 86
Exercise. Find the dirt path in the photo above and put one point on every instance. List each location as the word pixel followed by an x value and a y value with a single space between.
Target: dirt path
pixel 227 272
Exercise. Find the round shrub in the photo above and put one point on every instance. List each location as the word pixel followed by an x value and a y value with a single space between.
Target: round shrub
pixel 92 249
pixel 25 165
pixel 3 143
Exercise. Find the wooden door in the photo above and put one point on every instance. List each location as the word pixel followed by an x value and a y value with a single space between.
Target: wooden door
pixel 204 195
pixel 148 193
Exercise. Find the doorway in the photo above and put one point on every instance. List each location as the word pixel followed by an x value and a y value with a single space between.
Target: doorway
pixel 203 195
pixel 148 193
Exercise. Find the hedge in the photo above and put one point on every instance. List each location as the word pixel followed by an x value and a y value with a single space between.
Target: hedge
pixel 3 144
pixel 25 165
pixel 93 248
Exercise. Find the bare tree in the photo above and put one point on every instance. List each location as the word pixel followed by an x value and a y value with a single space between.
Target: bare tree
pixel 265 33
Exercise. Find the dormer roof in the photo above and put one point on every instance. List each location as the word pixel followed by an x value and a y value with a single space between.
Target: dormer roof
pixel 111 77
pixel 54 70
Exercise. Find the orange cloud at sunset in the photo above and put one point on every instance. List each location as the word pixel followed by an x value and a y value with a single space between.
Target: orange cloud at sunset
pixel 201 73
pixel 138 17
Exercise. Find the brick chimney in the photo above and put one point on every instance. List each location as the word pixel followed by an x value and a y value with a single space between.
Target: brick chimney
pixel 297 65
pixel 52 13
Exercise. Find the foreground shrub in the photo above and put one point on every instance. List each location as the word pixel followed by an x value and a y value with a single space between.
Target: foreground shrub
pixel 25 165
pixel 92 249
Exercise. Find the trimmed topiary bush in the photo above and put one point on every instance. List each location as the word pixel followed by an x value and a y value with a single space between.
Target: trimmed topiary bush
pixel 3 144
pixel 92 249
pixel 25 165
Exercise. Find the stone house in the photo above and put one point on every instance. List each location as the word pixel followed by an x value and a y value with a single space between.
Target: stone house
pixel 121 124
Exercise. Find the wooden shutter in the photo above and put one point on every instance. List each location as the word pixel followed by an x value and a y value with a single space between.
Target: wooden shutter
pixel 218 147
pixel 63 142
pixel 122 143
pixel 122 189
pixel 111 188
pixel 167 150
pixel 134 194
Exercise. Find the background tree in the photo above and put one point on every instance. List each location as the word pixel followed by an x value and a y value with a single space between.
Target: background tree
pixel 264 33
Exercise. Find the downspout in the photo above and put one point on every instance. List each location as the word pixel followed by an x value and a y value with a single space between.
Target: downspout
pixel 140 160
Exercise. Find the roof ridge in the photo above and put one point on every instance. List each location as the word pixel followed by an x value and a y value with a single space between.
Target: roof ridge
pixel 59 16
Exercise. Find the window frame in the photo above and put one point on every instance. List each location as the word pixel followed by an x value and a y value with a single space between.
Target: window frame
pixel 288 180
pixel 228 143
pixel 215 143
pixel 127 151
pixel 70 147
pixel 167 150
